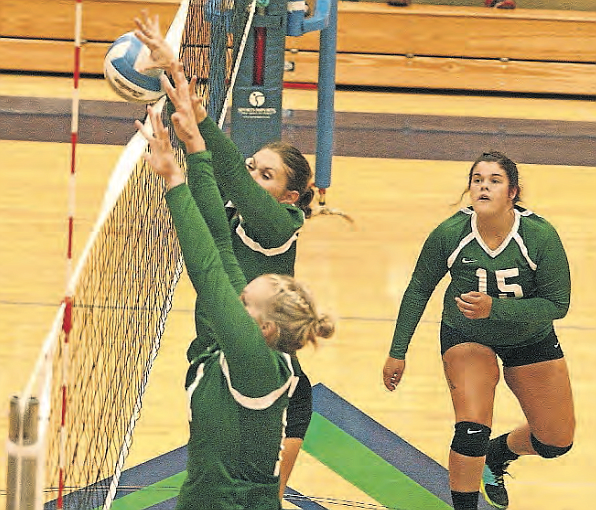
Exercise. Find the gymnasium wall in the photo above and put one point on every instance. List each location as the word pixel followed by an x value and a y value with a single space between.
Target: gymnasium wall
pixel 565 5
pixel 38 35
pixel 454 44
pixel 460 47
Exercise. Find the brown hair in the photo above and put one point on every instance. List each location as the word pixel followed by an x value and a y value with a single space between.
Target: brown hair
pixel 509 167
pixel 298 171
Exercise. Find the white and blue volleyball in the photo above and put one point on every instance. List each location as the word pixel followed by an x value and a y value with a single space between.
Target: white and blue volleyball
pixel 123 59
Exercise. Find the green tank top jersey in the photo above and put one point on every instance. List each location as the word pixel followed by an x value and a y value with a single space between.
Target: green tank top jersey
pixel 527 276
pixel 238 388
pixel 264 232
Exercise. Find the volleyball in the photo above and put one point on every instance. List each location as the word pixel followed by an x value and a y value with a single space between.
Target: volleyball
pixel 121 67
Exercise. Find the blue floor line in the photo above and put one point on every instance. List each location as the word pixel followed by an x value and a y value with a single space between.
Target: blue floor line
pixel 389 446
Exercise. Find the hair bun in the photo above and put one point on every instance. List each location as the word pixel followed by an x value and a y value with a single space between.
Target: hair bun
pixel 325 326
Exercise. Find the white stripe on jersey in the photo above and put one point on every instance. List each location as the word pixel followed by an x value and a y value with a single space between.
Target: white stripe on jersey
pixel 254 245
pixel 466 240
pixel 520 241
pixel 265 401
pixel 524 250
pixel 513 234
pixel 190 390
pixel 270 252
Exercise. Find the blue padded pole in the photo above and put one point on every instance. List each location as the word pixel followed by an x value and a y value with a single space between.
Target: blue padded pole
pixel 257 107
pixel 325 100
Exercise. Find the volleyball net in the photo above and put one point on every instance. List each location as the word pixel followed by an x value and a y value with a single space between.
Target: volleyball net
pixel 71 428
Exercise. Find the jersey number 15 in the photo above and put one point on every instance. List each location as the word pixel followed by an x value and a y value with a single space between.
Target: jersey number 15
pixel 502 285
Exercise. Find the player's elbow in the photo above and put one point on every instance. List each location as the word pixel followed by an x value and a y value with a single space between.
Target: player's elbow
pixel 561 309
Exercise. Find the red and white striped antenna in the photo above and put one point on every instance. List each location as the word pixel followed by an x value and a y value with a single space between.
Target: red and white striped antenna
pixel 68 298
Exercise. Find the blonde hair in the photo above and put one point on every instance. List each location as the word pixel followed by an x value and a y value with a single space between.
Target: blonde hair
pixel 293 311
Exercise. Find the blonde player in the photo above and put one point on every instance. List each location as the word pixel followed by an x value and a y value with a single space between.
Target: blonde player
pixel 268 199
pixel 238 387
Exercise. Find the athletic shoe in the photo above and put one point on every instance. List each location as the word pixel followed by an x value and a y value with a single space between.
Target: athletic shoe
pixel 493 486
pixel 399 3
pixel 500 4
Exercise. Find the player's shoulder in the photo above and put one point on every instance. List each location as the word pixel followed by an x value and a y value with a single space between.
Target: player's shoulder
pixel 533 223
pixel 461 220
pixel 452 230
pixel 295 213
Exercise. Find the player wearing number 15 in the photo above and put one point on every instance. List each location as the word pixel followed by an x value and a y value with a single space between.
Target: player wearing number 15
pixel 509 282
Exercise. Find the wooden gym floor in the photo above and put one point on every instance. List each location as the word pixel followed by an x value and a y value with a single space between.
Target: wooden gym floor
pixel 358 272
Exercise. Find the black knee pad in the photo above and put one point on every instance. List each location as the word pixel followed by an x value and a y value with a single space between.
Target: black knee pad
pixel 548 451
pixel 470 439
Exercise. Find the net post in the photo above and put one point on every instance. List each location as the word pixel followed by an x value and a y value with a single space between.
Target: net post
pixel 326 99
pixel 21 476
pixel 256 116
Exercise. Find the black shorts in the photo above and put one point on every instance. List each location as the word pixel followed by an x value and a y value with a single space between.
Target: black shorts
pixel 299 409
pixel 546 349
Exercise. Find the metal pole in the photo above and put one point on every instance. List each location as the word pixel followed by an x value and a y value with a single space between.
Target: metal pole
pixel 326 99
pixel 21 477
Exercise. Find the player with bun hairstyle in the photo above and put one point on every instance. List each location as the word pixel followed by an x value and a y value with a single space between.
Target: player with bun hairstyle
pixel 239 386
pixel 266 207
pixel 267 197
pixel 509 281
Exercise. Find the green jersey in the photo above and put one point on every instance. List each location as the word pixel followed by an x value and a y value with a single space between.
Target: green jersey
pixel 238 388
pixel 527 277
pixel 264 232
pixel 206 195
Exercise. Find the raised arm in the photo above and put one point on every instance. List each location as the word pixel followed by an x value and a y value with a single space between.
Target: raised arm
pixel 200 173
pixel 258 208
pixel 238 334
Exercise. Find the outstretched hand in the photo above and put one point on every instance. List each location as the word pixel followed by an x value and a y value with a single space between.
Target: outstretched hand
pixel 393 371
pixel 474 305
pixel 183 120
pixel 197 102
pixel 161 158
pixel 149 33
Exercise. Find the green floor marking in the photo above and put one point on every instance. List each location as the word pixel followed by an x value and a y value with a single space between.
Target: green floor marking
pixel 364 469
pixel 163 490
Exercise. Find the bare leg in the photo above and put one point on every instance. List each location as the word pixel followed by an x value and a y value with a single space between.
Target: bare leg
pixel 544 393
pixel 290 452
pixel 472 373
